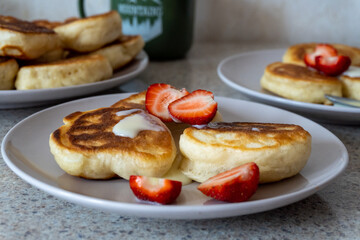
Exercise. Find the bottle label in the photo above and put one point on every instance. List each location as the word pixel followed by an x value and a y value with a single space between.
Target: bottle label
pixel 142 17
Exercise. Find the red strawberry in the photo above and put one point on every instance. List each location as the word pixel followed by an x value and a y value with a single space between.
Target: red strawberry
pixel 332 66
pixel 158 98
pixel 160 190
pixel 196 108
pixel 324 50
pixel 235 185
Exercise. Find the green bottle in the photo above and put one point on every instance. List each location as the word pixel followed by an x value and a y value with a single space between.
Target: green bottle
pixel 165 25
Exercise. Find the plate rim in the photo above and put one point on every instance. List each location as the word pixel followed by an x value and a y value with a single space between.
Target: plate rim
pixel 134 209
pixel 272 98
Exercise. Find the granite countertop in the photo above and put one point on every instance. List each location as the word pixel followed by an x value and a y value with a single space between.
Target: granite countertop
pixel 332 213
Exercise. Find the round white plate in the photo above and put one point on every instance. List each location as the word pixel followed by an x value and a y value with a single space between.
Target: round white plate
pixel 32 161
pixel 36 97
pixel 243 72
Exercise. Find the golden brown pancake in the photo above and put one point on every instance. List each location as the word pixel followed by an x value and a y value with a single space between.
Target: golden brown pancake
pixel 25 40
pixel 90 33
pixel 280 150
pixel 17 25
pixel 122 51
pixel 295 54
pixel 63 73
pixel 86 145
pixel 299 83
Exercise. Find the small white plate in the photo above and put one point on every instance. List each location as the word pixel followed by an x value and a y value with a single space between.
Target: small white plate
pixel 32 161
pixel 37 97
pixel 243 72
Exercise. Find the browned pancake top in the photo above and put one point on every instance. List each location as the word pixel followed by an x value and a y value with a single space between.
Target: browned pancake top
pixel 134 101
pixel 79 20
pixel 52 25
pixel 93 131
pixel 299 50
pixel 297 72
pixel 244 134
pixel 14 24
pixel 251 127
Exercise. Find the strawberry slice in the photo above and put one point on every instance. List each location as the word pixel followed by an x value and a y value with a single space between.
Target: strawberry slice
pixel 332 66
pixel 159 96
pixel 324 50
pixel 235 185
pixel 160 190
pixel 196 108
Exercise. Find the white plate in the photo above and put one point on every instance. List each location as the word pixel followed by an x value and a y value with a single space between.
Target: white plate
pixel 243 72
pixel 36 97
pixel 32 161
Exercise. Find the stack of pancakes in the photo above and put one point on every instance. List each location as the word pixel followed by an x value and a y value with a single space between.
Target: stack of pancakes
pixel 43 54
pixel 293 80
pixel 86 146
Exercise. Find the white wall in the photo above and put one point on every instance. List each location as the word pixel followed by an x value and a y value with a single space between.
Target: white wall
pixel 284 21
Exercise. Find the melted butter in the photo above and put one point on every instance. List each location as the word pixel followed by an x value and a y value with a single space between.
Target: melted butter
pixel 353 72
pixel 131 125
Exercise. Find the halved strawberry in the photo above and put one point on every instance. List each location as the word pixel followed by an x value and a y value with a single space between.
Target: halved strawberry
pixel 332 66
pixel 159 96
pixel 235 185
pixel 196 108
pixel 160 190
pixel 324 50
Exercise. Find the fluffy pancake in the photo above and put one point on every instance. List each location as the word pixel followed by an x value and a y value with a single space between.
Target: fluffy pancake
pixel 86 145
pixel 351 83
pixel 91 33
pixel 295 54
pixel 280 150
pixel 137 101
pixel 68 72
pixel 299 83
pixel 8 71
pixel 25 40
pixel 122 51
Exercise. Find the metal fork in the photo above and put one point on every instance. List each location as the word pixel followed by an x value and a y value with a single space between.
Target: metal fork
pixel 341 101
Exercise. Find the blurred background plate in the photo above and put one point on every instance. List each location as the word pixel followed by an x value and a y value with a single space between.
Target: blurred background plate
pixel 243 72
pixel 37 97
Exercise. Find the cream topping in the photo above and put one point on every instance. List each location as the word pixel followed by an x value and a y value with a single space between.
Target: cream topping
pixel 353 72
pixel 132 124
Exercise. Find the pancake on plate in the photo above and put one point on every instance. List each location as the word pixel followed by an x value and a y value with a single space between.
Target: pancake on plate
pixel 122 51
pixel 25 40
pixel 90 33
pixel 108 142
pixel 8 71
pixel 279 150
pixel 299 83
pixel 68 72
pixel 295 54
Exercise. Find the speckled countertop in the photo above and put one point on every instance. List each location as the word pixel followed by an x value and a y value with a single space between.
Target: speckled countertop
pixel 332 213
